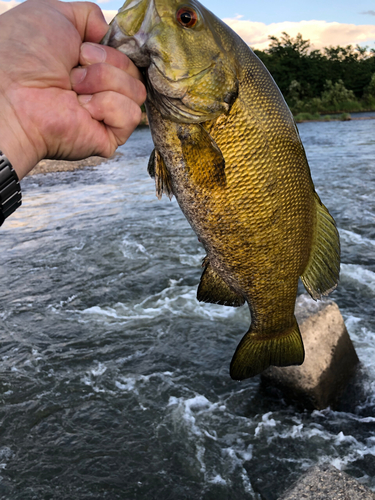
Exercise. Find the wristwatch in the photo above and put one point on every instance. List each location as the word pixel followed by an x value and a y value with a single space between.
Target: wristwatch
pixel 10 189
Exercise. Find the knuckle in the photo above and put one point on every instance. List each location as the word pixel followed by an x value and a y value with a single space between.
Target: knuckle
pixel 132 116
pixel 141 92
pixel 98 74
pixel 124 60
pixel 137 115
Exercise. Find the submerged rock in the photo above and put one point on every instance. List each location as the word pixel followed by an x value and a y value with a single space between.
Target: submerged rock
pixel 330 359
pixel 325 482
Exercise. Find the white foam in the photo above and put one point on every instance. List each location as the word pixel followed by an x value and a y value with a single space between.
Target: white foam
pixel 364 342
pixel 344 448
pixel 176 300
pixel 99 370
pixel 265 423
pixel 358 274
pixel 218 480
pixel 191 260
pixel 134 383
pixel 342 438
pixel 349 237
pixel 188 408
pixel 127 384
pixel 237 462
pixel 5 454
pixel 132 249
pixel 185 413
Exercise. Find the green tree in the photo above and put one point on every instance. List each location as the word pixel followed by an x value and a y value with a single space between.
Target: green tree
pixel 335 93
pixel 370 89
pixel 302 73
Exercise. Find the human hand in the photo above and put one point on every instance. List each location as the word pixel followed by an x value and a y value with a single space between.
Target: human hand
pixel 49 108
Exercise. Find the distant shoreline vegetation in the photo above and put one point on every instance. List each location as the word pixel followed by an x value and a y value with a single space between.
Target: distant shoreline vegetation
pixel 335 80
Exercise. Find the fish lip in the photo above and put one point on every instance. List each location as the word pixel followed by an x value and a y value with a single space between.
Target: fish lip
pixel 111 37
pixel 131 46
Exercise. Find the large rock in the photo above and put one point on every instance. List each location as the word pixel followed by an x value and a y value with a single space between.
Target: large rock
pixel 330 358
pixel 325 482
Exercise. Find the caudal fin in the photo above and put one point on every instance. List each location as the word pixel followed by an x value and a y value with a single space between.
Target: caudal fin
pixel 256 352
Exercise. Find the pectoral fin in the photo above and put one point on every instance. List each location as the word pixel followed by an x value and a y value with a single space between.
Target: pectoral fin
pixel 204 160
pixel 258 351
pixel 322 271
pixel 213 289
pixel 158 171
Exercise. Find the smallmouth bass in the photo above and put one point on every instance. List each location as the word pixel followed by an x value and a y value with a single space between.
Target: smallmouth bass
pixel 227 147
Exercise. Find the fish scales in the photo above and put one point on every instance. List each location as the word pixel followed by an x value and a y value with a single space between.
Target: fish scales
pixel 226 146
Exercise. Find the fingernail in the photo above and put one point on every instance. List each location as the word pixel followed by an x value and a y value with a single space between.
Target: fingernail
pixel 84 99
pixel 77 75
pixel 93 53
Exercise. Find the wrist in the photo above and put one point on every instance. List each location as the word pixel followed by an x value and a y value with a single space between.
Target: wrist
pixel 15 143
pixel 10 190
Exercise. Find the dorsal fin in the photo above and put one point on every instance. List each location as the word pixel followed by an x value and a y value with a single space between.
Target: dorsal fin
pixel 213 289
pixel 322 271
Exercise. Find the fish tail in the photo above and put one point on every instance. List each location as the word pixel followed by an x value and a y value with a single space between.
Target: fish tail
pixel 257 351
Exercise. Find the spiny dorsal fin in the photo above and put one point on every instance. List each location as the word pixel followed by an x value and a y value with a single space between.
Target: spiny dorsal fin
pixel 204 160
pixel 322 271
pixel 257 351
pixel 214 290
pixel 158 171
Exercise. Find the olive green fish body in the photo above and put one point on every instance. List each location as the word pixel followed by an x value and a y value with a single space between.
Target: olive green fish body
pixel 227 147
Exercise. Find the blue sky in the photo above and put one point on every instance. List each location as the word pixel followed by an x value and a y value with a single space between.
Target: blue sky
pixel 275 11
pixel 323 22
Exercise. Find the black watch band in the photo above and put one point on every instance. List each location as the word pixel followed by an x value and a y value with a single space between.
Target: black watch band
pixel 10 189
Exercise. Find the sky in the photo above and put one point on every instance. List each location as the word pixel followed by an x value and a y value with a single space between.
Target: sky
pixel 323 22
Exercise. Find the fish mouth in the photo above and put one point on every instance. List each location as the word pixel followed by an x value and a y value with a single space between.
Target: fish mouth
pixel 131 46
pixel 171 95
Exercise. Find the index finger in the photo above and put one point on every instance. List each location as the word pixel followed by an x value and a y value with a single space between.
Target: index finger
pixel 93 53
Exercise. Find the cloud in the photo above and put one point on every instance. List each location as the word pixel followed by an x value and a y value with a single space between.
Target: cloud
pixel 4 6
pixel 320 33
pixel 109 14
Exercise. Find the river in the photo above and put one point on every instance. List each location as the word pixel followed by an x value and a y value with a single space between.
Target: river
pixel 114 380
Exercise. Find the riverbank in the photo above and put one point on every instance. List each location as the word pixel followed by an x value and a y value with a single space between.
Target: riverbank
pixel 343 117
pixel 48 166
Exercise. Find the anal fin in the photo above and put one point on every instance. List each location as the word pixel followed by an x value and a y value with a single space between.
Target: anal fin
pixel 322 271
pixel 213 289
pixel 158 171
pixel 258 351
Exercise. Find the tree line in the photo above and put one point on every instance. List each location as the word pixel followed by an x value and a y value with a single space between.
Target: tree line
pixel 335 79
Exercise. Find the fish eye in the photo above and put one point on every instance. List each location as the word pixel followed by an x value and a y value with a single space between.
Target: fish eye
pixel 187 17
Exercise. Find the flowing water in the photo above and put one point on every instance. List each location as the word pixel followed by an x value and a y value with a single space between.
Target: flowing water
pixel 114 379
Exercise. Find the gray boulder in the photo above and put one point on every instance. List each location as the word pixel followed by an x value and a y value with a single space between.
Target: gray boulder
pixel 330 357
pixel 325 482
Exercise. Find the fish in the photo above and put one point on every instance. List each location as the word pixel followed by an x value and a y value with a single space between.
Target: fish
pixel 227 147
